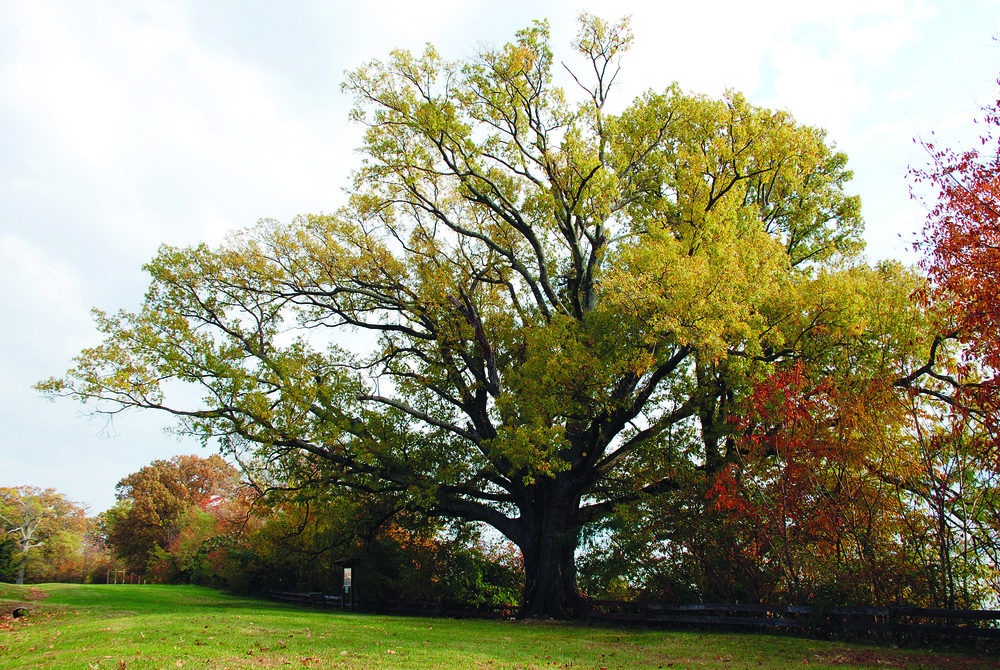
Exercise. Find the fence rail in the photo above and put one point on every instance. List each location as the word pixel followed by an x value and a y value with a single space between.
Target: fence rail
pixel 406 607
pixel 308 598
pixel 805 617
pixel 979 623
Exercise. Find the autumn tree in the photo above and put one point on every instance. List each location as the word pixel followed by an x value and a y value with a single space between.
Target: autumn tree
pixel 961 238
pixel 566 304
pixel 163 504
pixel 960 249
pixel 816 500
pixel 33 517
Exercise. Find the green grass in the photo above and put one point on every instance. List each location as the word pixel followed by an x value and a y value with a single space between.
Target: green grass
pixel 106 627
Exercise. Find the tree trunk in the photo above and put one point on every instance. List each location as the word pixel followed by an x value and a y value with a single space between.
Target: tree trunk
pixel 24 564
pixel 548 545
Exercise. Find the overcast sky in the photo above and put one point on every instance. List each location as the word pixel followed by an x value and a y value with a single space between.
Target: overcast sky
pixel 125 125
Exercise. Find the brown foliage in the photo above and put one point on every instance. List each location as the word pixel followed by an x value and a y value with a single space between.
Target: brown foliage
pixel 154 502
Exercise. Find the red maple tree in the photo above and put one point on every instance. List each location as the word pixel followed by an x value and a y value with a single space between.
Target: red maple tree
pixel 961 239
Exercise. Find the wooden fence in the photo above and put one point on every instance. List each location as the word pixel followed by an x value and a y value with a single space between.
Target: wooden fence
pixel 405 607
pixel 862 620
pixel 308 598
pixel 975 623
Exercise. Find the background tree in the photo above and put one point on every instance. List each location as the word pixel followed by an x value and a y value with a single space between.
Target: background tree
pixel 570 304
pixel 823 496
pixel 8 560
pixel 35 518
pixel 169 505
pixel 95 561
pixel 959 450
pixel 961 238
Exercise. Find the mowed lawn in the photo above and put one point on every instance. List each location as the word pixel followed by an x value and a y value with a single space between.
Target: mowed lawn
pixel 106 627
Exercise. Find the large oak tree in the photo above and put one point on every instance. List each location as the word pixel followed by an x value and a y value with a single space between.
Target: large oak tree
pixel 556 309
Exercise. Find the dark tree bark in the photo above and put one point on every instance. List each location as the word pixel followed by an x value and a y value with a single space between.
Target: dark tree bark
pixel 551 536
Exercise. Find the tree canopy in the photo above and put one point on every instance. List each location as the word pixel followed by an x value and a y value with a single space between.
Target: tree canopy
pixel 156 503
pixel 33 518
pixel 532 311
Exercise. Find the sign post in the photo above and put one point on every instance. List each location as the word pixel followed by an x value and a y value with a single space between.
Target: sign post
pixel 347 589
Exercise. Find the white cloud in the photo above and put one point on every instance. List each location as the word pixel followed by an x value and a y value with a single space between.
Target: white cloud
pixel 877 36
pixel 825 65
pixel 131 104
pixel 42 297
pixel 819 91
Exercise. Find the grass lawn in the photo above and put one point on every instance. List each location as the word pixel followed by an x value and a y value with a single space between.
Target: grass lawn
pixel 125 626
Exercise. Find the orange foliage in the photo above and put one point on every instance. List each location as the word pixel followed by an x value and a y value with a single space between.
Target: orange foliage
pixel 813 487
pixel 962 238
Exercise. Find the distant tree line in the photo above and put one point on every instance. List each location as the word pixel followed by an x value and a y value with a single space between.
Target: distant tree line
pixel 191 520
